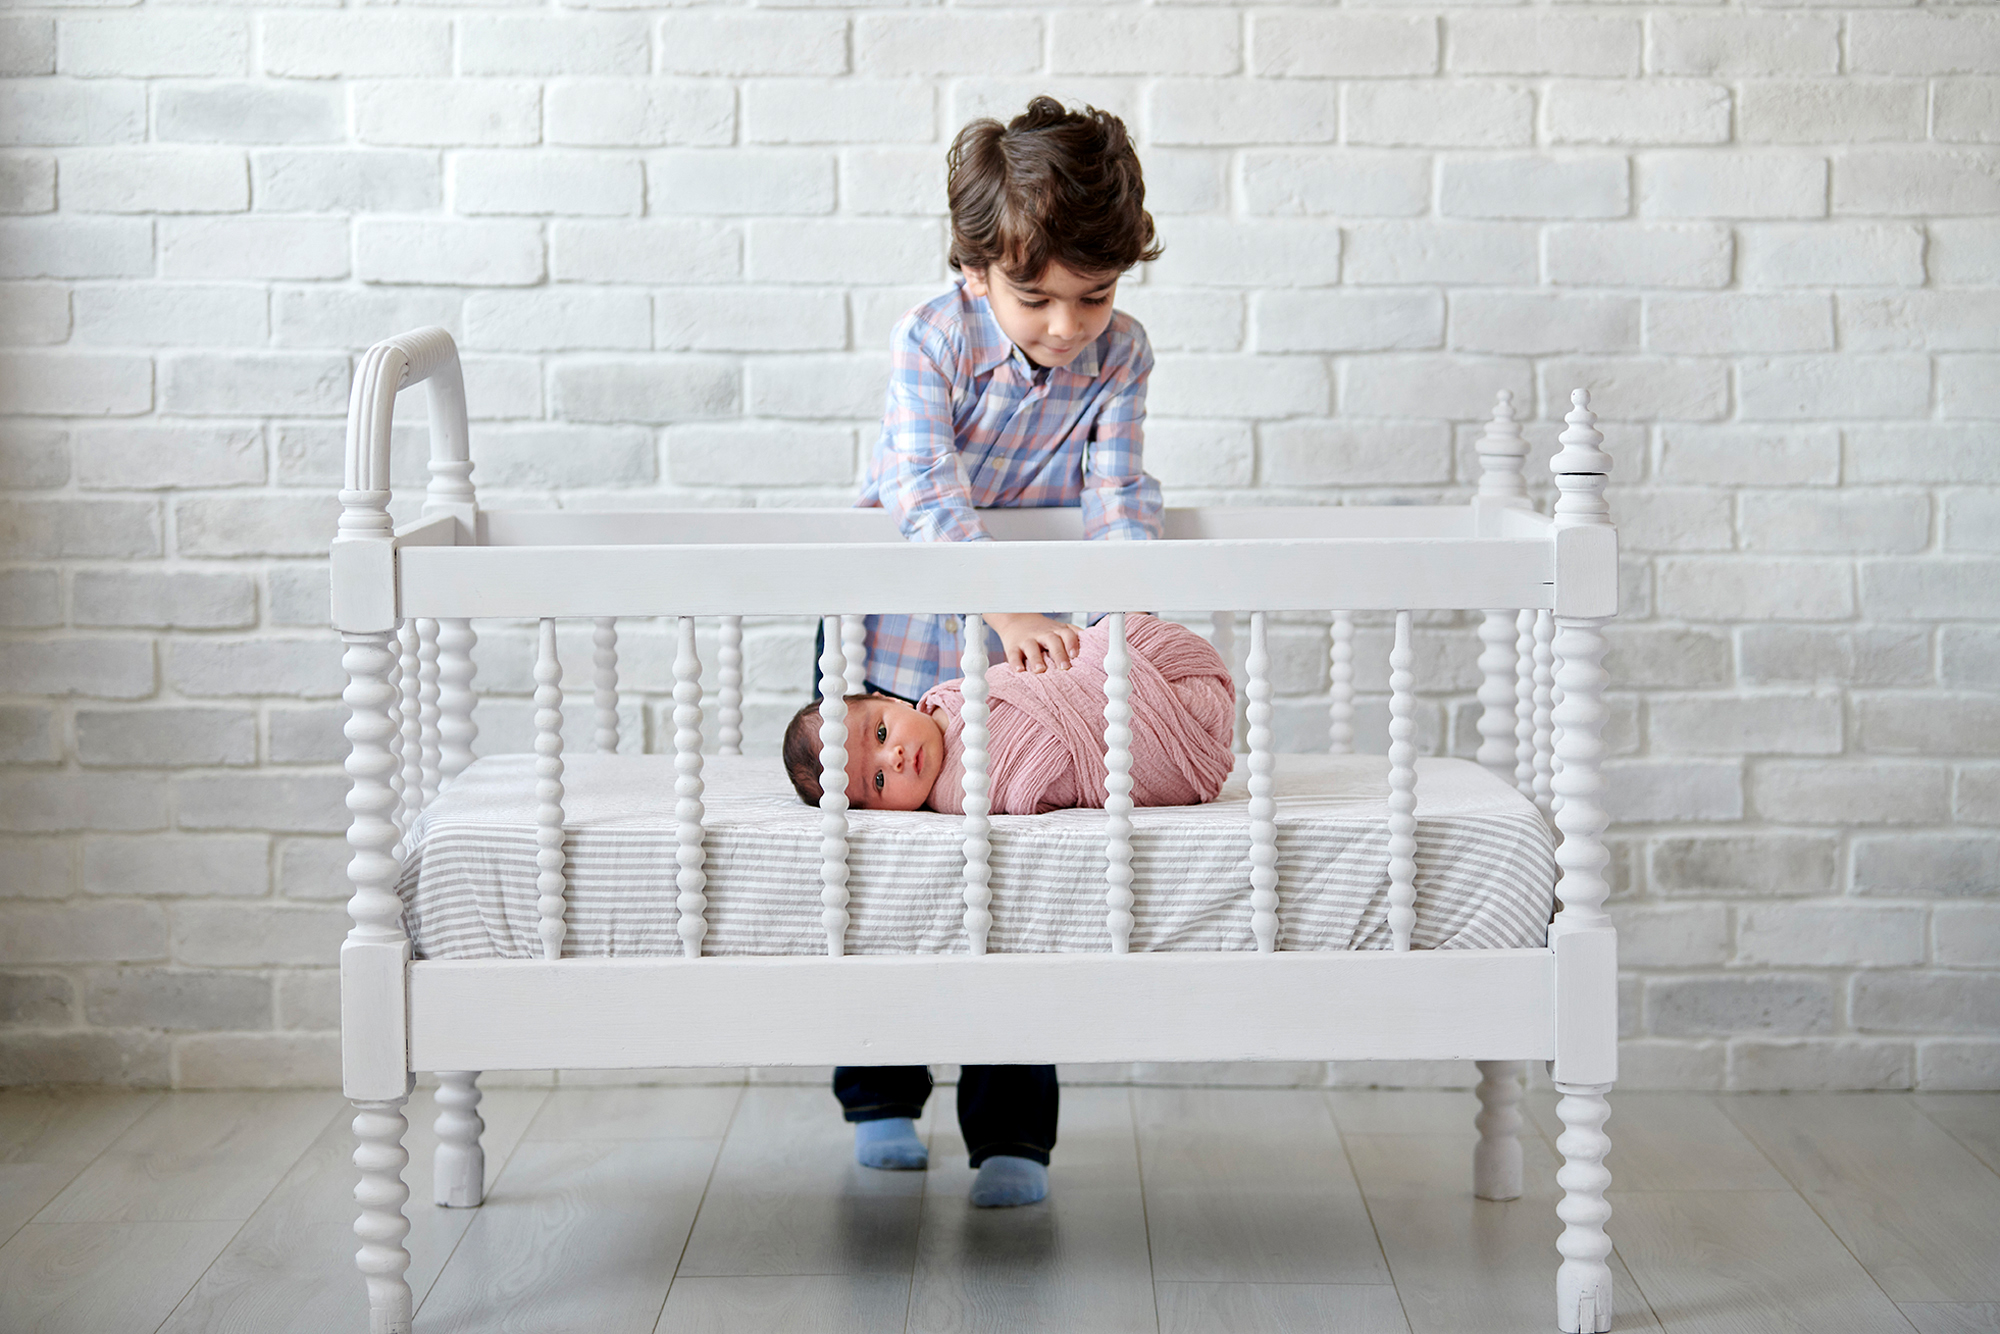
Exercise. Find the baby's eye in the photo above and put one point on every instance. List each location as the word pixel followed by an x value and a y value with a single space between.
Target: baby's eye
pixel 878 780
pixel 882 732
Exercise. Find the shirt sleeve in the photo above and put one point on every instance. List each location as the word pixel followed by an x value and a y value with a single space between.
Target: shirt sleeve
pixel 1119 501
pixel 924 484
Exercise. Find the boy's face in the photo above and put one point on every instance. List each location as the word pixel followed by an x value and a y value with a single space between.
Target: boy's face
pixel 1053 318
pixel 894 753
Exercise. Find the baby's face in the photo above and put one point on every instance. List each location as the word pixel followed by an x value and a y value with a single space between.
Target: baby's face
pixel 894 753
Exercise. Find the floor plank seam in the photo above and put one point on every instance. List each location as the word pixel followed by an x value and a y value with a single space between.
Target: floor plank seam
pixel 694 1219
pixel 499 1173
pixel 1347 1156
pixel 1145 1219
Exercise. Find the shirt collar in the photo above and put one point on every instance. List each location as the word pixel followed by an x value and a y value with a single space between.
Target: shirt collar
pixel 991 346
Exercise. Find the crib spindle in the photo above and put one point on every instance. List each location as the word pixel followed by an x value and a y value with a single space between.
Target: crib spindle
pixel 458 1172
pixel 550 882
pixel 729 667
pixel 1524 704
pixel 1496 693
pixel 1340 675
pixel 978 829
pixel 379 1127
pixel 1545 629
pixel 410 725
pixel 833 786
pixel 1263 810
pixel 688 810
pixel 1118 898
pixel 427 708
pixel 854 647
pixel 1402 789
pixel 1496 1161
pixel 604 683
pixel 457 730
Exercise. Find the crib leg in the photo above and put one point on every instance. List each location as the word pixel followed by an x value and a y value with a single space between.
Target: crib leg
pixel 459 1173
pixel 1496 1163
pixel 1583 1283
pixel 379 1153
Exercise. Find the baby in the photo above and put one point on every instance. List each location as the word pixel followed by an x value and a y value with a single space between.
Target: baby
pixel 1046 746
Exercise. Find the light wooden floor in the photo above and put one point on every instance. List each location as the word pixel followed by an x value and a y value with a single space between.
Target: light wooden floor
pixel 1195 1211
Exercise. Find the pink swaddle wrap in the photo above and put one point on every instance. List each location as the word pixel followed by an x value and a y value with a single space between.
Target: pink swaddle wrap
pixel 1047 728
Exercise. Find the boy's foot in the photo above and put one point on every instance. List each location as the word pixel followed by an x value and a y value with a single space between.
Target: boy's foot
pixel 1005 1180
pixel 891 1144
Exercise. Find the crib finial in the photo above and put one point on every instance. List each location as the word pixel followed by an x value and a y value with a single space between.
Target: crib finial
pixel 1581 467
pixel 1502 454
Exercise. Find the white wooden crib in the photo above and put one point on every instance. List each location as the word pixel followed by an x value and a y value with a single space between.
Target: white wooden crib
pixel 404 600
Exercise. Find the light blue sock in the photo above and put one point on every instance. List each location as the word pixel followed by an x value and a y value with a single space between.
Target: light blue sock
pixel 1005 1180
pixel 891 1144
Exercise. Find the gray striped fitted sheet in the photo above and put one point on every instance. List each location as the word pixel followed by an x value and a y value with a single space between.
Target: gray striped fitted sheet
pixel 1485 866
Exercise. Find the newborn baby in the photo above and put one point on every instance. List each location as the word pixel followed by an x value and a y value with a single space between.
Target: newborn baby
pixel 1046 746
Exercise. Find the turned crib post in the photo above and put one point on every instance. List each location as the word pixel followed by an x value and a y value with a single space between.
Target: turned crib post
pixel 1402 788
pixel 450 492
pixel 1118 898
pixel 833 786
pixel 604 683
pixel 1263 809
pixel 410 728
pixel 1545 631
pixel 978 828
pixel 550 880
pixel 458 1172
pixel 729 672
pixel 1340 682
pixel 692 879
pixel 854 648
pixel 1502 453
pixel 1524 704
pixel 427 709
pixel 1586 946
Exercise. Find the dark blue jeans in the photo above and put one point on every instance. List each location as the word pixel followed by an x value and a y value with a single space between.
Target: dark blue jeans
pixel 1002 1109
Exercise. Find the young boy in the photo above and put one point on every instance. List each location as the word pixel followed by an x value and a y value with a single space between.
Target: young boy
pixel 1021 386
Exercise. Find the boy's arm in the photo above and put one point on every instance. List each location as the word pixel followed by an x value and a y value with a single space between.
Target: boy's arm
pixel 1119 501
pixel 924 484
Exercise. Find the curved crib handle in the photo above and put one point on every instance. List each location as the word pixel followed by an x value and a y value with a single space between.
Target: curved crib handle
pixel 421 356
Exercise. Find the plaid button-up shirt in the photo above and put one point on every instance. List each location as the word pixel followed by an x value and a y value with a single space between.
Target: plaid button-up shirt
pixel 971 423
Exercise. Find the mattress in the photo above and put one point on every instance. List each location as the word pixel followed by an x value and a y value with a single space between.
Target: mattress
pixel 1485 866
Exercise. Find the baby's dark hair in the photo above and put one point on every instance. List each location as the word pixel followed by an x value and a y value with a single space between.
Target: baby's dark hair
pixel 1051 184
pixel 801 750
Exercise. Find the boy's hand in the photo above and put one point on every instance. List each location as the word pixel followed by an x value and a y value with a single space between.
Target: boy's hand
pixel 1034 643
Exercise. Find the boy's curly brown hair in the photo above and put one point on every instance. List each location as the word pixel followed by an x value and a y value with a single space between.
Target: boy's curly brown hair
pixel 1051 184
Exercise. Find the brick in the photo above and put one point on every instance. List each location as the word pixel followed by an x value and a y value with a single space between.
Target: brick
pixel 76 384
pixel 257 1060
pixel 1676 935
pixel 1875 792
pixel 1212 453
pixel 564 43
pixel 1338 321
pixel 655 390
pixel 54 529
pixel 1734 185
pixel 842 385
pixel 843 251
pixel 1822 935
pixel 157 458
pixel 308 736
pixel 1341 453
pixel 72 111
pixel 27 45
pixel 1746 864
pixel 619 113
pixel 1829 111
pixel 1815 655
pixel 753 455
pixel 36 868
pixel 929 44
pixel 1419 385
pixel 1438 114
pixel 1603 255
pixel 1934 43
pixel 650 251
pixel 309 999
pixel 1352 182
pixel 760 181
pixel 224 667
pixel 1674 519
pixel 1928 724
pixel 1746 725
pixel 228 935
pixel 1235 111
pixel 1739 323
pixel 1728 589
pixel 1226 253
pixel 497 387
pixel 1926 1002
pixel 1742 44
pixel 82 933
pixel 149 44
pixel 1002 99
pixel 359 45
pixel 314 868
pixel 1523 324
pixel 171 314
pixel 1963 250
pixel 1649 657
pixel 315 804
pixel 36 1000
pixel 555 455
pixel 1540 43
pixel 447 113
pixel 1966 935
pixel 249 113
pixel 30 599
pixel 1917 182
pixel 355 317
pixel 905 181
pixel 1655 791
pixel 1189 41
pixel 1188 320
pixel 291 383
pixel 294 248
pixel 838 111
pixel 27 183
pixel 178 999
pixel 182 598
pixel 33 458
pixel 1221 386
pixel 367 180
pixel 1972 521
pixel 1844 385
pixel 1823 1064
pixel 474 254
pixel 125 1057
pixel 1927 865
pixel 1691 1006
pixel 1641 388
pixel 1840 522
pixel 166 738
pixel 1652 111
pixel 1845 254
pixel 1920 589
pixel 1321 45
pixel 1921 453
pixel 1967 1066
pixel 1969 386
pixel 57 803
pixel 1528 186
pixel 106 668
pixel 720 42
pixel 1670 1066
pixel 178 866
pixel 558 319
pixel 28 735
pixel 589 184
pixel 1940 321
pixel 1968 655
pixel 1967 110
pixel 1441 252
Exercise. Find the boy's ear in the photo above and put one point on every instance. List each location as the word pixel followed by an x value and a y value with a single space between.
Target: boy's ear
pixel 975 281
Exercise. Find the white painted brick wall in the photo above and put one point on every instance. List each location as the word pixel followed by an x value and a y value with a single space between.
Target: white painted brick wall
pixel 672 244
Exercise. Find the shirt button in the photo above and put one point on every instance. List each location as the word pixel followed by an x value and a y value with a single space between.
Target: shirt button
pixel 951 625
